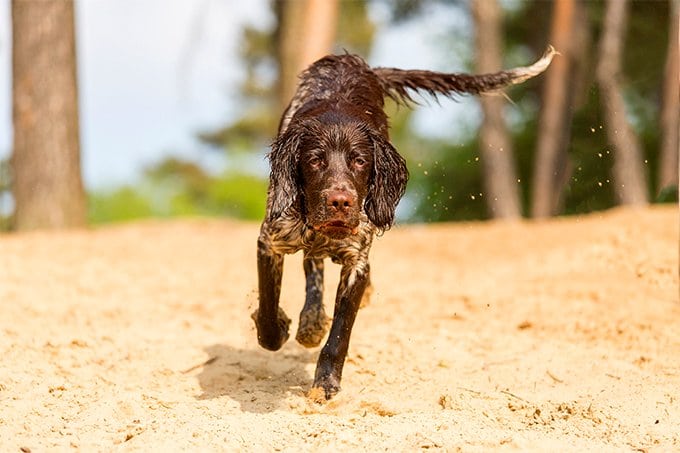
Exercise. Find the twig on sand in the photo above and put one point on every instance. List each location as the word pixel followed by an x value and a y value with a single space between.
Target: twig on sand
pixel 553 377
pixel 207 362
pixel 514 396
pixel 470 390
pixel 613 376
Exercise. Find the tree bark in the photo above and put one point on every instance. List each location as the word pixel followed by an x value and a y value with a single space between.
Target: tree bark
pixel 550 170
pixel 307 33
pixel 500 176
pixel 628 172
pixel 47 184
pixel 670 114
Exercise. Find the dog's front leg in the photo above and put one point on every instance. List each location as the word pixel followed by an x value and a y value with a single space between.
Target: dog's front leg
pixel 270 320
pixel 353 281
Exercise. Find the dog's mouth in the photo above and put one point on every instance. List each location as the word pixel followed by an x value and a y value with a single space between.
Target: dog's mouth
pixel 337 229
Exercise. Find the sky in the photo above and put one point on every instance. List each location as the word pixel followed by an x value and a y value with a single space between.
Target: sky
pixel 153 73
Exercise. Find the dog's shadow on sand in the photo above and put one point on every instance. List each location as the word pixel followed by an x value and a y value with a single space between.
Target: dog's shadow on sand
pixel 258 380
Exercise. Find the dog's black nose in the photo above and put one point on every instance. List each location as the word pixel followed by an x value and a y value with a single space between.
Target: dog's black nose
pixel 339 200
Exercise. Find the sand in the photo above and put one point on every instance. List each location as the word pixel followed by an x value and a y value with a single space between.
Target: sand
pixel 561 335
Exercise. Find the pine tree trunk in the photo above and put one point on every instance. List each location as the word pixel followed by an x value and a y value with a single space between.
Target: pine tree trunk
pixel 500 176
pixel 628 172
pixel 550 170
pixel 47 185
pixel 307 33
pixel 670 121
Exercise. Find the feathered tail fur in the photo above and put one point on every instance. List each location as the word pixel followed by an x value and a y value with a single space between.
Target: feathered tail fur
pixel 396 83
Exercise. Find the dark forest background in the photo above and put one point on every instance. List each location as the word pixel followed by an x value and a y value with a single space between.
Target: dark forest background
pixel 598 129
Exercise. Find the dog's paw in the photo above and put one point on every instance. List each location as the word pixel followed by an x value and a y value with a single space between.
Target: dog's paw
pixel 326 386
pixel 312 328
pixel 272 336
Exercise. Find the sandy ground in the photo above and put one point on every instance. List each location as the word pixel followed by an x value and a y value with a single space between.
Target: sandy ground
pixel 559 335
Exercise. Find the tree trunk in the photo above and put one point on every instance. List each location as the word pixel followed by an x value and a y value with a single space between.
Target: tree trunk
pixel 47 185
pixel 670 122
pixel 550 170
pixel 307 33
pixel 629 174
pixel 500 176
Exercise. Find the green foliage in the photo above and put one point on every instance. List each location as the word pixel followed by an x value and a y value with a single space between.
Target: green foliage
pixel 121 204
pixel 178 188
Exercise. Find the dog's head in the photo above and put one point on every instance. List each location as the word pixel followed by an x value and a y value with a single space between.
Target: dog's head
pixel 333 169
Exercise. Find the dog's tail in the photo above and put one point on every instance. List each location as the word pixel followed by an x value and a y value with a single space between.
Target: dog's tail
pixel 396 83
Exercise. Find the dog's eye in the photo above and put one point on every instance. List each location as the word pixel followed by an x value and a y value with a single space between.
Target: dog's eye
pixel 315 162
pixel 359 162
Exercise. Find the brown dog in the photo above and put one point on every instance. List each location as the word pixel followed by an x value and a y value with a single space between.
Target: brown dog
pixel 335 181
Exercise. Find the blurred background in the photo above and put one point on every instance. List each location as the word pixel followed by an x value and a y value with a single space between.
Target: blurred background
pixel 113 110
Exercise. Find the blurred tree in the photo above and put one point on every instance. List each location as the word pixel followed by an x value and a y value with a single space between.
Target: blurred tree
pixel 306 33
pixel 550 171
pixel 447 178
pixel 628 172
pixel 47 185
pixel 500 177
pixel 5 190
pixel 670 112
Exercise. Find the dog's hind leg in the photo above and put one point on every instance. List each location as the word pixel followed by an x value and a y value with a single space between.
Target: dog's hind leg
pixel 313 320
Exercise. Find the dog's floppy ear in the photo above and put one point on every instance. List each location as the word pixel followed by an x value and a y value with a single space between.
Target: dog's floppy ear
pixel 387 184
pixel 283 181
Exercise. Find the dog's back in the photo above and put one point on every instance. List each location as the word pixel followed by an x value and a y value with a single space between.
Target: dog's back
pixel 339 79
pixel 348 79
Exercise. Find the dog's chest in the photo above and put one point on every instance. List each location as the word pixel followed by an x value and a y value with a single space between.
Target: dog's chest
pixel 288 236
